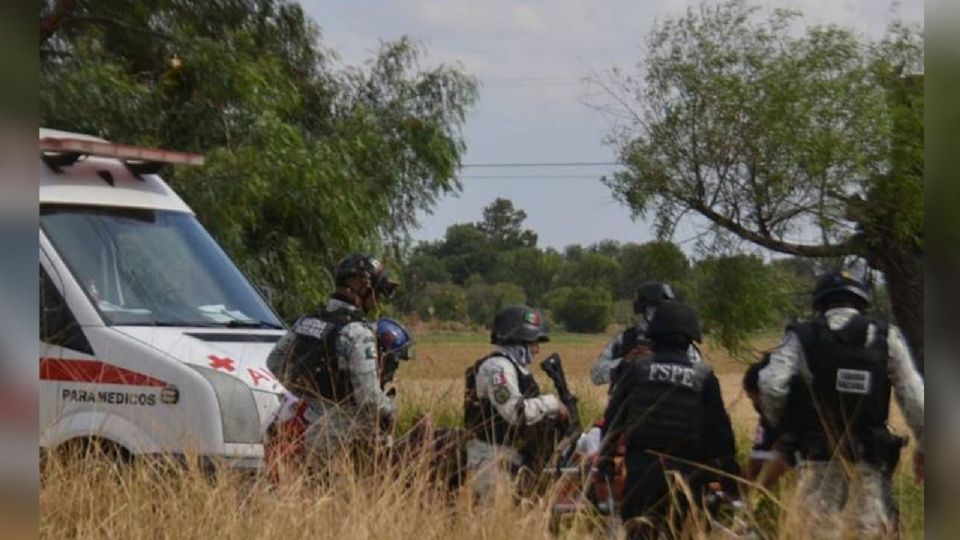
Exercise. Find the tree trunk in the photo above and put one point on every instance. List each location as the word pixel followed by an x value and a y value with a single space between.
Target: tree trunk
pixel 902 269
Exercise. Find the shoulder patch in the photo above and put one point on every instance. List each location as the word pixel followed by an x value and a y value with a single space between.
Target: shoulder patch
pixel 501 394
pixel 498 378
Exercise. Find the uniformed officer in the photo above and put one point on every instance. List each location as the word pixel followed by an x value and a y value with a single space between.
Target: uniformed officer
pixel 633 342
pixel 504 410
pixel 848 363
pixel 328 363
pixel 670 413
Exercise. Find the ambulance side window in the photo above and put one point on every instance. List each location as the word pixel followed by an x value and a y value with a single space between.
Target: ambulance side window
pixel 58 326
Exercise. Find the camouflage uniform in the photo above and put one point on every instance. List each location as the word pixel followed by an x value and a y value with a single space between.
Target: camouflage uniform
pixel 609 360
pixel 827 488
pixel 497 382
pixel 649 297
pixel 329 427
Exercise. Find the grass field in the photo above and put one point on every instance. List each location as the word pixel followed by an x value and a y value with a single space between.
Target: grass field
pixel 86 499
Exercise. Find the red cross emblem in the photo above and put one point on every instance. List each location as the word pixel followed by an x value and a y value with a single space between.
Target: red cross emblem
pixel 221 362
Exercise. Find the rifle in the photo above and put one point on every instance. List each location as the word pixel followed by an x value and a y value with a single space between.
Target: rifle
pixel 554 369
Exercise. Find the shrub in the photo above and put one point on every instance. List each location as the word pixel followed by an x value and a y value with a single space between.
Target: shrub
pixel 584 309
pixel 442 301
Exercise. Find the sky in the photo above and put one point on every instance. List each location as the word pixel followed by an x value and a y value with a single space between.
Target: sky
pixel 531 58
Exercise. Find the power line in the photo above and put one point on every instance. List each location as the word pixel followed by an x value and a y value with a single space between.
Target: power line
pixel 542 164
pixel 521 176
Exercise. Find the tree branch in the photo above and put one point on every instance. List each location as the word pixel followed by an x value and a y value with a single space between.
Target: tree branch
pixel 849 247
pixel 97 20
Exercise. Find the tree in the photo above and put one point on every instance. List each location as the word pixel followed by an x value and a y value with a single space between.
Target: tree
pixel 807 145
pixel 590 270
pixel 502 224
pixel 584 309
pixel 530 268
pixel 305 161
pixel 652 261
pixel 465 250
pixel 732 307
pixel 484 301
pixel 442 301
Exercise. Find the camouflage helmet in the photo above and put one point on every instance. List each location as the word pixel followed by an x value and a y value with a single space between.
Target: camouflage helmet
pixel 676 318
pixel 652 294
pixel 839 283
pixel 369 269
pixel 515 325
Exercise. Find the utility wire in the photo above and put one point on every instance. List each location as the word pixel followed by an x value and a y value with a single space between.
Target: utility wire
pixel 521 176
pixel 542 164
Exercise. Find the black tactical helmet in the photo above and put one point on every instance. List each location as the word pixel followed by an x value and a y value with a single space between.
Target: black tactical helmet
pixel 652 294
pixel 519 324
pixel 674 317
pixel 369 269
pixel 839 283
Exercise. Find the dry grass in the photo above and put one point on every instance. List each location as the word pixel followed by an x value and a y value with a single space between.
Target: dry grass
pixel 84 498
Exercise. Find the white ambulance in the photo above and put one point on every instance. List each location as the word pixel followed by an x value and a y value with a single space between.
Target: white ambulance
pixel 151 340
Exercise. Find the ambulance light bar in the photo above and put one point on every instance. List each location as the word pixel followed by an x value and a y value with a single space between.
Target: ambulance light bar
pixel 58 152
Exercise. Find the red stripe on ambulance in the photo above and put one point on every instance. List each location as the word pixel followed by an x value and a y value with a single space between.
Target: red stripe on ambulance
pixel 92 371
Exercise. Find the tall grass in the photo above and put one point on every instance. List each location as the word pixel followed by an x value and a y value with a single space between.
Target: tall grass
pixel 83 496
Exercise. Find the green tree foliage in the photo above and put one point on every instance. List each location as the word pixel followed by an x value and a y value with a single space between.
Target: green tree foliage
pixel 465 250
pixel 441 301
pixel 306 161
pixel 484 301
pixel 531 268
pixel 738 295
pixel 556 299
pixel 653 261
pixel 769 133
pixel 590 270
pixel 502 224
pixel 583 309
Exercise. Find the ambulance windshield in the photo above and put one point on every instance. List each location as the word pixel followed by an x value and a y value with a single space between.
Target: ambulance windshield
pixel 153 267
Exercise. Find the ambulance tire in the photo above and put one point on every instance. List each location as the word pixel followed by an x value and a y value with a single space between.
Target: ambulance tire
pixel 92 450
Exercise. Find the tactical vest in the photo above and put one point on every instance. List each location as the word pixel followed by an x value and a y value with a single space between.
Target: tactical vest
pixel 481 417
pixel 312 368
pixel 665 406
pixel 848 399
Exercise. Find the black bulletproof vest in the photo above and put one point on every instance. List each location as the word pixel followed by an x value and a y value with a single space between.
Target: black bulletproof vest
pixel 665 406
pixel 481 417
pixel 849 396
pixel 312 366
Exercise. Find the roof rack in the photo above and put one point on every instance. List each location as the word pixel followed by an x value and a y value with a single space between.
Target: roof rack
pixel 57 153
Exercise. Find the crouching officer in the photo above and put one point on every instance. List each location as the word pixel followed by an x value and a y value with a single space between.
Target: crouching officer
pixel 507 417
pixel 328 363
pixel 848 363
pixel 671 414
pixel 633 342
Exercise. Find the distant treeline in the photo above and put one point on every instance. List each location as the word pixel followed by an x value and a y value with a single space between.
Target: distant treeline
pixel 477 268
